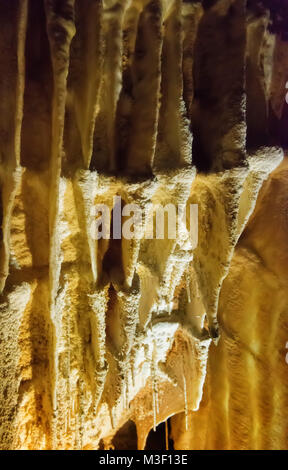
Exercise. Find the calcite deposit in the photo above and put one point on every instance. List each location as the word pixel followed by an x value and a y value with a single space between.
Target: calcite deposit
pixel 157 102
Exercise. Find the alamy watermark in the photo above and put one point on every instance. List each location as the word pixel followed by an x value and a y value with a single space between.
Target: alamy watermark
pixel 130 221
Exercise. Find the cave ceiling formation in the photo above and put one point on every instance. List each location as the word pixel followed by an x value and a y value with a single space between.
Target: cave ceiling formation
pixel 163 101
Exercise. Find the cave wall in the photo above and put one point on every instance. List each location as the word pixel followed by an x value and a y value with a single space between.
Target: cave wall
pixel 244 404
pixel 153 101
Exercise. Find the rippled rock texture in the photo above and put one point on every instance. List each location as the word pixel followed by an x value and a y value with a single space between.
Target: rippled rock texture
pixel 162 101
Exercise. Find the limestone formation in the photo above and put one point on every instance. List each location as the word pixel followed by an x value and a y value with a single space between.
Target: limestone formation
pixel 164 102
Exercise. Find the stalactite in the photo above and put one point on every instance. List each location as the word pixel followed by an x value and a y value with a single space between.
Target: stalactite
pixel 166 436
pixel 185 401
pixel 188 288
pixel 10 164
pixel 147 102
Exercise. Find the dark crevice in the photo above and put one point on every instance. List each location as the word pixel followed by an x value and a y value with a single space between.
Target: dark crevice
pixel 112 261
pixel 256 110
pixel 156 440
pixel 278 127
pixel 218 91
pixel 278 14
pixel 36 126
pixel 126 437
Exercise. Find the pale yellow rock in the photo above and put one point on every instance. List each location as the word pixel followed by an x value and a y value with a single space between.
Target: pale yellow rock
pixel 154 102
